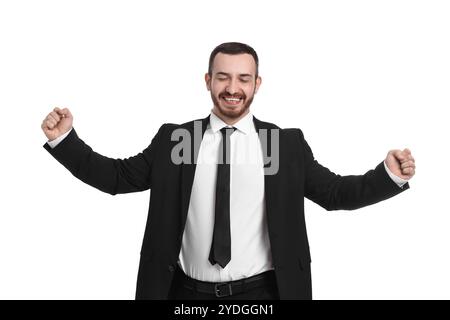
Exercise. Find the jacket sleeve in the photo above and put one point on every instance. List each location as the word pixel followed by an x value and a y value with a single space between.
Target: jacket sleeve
pixel 109 175
pixel 335 192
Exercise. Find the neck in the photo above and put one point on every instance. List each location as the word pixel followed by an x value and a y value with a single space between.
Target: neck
pixel 228 120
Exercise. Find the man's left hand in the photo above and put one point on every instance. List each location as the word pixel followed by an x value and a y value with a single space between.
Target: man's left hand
pixel 401 163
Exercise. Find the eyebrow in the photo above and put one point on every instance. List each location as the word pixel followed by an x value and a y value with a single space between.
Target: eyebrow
pixel 240 75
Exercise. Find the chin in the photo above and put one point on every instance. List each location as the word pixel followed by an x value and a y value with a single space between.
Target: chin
pixel 232 112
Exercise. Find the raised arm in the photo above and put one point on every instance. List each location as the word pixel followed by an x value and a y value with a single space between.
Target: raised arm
pixel 335 192
pixel 109 175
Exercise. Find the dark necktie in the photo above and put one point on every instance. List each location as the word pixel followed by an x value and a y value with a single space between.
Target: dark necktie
pixel 221 244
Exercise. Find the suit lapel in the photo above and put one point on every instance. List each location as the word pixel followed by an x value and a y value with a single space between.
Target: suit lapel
pixel 271 182
pixel 197 130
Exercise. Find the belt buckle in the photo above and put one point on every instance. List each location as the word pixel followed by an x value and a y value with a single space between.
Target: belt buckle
pixel 218 291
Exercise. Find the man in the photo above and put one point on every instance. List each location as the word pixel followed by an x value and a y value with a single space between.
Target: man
pixel 226 228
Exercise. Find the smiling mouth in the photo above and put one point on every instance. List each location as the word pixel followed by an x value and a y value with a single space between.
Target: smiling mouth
pixel 233 101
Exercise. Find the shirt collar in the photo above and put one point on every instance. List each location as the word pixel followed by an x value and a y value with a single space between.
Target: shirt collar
pixel 244 125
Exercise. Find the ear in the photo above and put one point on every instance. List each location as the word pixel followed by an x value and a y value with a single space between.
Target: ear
pixel 208 81
pixel 257 83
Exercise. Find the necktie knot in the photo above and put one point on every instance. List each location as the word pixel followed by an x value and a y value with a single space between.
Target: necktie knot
pixel 224 155
pixel 227 131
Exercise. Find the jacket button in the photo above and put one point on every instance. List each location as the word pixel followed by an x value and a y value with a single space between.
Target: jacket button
pixel 171 268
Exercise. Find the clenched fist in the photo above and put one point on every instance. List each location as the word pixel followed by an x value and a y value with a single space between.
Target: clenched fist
pixel 57 122
pixel 401 163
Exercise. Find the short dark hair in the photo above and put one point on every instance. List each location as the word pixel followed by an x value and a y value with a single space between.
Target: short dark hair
pixel 232 48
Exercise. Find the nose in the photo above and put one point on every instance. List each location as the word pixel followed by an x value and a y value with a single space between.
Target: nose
pixel 232 87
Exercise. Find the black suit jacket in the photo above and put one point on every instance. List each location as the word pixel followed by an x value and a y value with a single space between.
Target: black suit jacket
pixel 299 176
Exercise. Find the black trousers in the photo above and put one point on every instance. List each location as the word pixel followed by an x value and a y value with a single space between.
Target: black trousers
pixel 181 291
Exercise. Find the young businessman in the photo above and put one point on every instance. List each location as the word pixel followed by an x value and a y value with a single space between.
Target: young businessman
pixel 220 225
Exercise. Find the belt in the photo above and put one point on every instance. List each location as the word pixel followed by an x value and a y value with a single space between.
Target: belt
pixel 224 289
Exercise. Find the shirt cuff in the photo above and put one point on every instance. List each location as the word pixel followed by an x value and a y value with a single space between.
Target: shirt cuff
pixel 53 143
pixel 399 181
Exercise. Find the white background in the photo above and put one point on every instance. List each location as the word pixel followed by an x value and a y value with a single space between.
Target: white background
pixel 358 77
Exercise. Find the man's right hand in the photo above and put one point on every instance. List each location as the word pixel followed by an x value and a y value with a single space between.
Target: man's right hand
pixel 57 122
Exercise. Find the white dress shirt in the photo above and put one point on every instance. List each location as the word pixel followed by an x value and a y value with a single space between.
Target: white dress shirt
pixel 250 246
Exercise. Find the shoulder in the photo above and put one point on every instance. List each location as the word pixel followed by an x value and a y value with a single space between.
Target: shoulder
pixel 284 133
pixel 190 125
pixel 168 129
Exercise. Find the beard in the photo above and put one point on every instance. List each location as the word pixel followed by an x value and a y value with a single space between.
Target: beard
pixel 230 112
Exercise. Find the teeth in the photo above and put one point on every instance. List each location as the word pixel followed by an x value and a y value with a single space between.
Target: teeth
pixel 232 99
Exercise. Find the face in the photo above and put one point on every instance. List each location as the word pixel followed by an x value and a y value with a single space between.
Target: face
pixel 232 85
